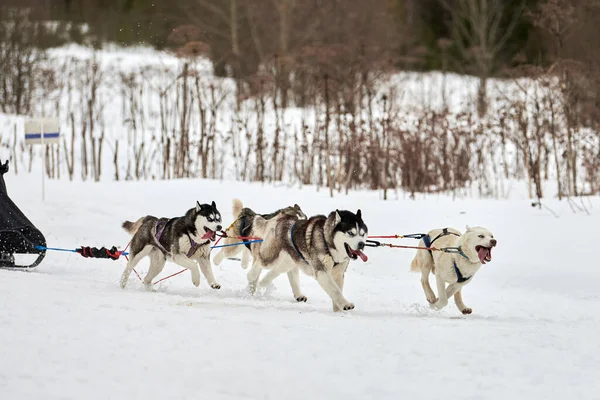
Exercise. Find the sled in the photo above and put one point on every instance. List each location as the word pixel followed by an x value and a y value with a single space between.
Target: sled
pixel 21 243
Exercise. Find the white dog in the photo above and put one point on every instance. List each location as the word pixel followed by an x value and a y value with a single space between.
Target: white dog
pixel 456 269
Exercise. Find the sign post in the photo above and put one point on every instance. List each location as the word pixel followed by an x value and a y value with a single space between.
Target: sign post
pixel 42 131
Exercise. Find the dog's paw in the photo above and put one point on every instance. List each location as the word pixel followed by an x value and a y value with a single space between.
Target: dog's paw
pixel 251 288
pixel 196 282
pixel 466 311
pixel 215 286
pixel 348 306
pixel 301 299
pixel 437 305
pixel 432 300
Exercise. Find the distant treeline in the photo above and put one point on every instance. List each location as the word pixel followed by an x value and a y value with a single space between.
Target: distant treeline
pixel 418 34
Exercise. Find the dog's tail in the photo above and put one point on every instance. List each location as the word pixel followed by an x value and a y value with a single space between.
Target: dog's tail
pixel 237 208
pixel 132 227
pixel 414 265
pixel 422 257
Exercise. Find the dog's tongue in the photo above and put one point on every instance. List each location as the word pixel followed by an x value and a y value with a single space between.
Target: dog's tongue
pixel 485 255
pixel 359 253
pixel 208 235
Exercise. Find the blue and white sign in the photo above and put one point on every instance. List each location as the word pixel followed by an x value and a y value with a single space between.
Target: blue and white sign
pixel 42 131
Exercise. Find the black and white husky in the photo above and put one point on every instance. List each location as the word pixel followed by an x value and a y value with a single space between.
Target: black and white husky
pixel 321 247
pixel 183 240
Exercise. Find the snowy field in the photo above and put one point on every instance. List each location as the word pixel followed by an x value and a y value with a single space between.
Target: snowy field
pixel 67 331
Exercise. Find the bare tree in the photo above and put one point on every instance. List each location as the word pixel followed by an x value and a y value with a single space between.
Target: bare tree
pixel 19 59
pixel 480 36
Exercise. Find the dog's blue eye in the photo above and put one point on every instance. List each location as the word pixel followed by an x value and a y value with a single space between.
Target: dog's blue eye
pixel 351 234
pixel 209 219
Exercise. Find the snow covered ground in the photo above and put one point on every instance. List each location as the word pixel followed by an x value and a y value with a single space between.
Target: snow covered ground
pixel 67 331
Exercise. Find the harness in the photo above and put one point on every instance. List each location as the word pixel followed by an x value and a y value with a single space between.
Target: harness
pixel 243 227
pixel 459 275
pixel 158 230
pixel 428 242
pixel 193 247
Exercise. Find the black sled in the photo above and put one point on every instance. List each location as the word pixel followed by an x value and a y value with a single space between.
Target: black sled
pixel 19 238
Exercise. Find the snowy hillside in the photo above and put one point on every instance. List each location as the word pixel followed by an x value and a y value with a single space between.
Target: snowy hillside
pixel 67 331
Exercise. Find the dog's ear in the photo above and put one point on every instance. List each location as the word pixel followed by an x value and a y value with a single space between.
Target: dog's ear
pixel 468 228
pixel 358 214
pixel 296 206
pixel 214 205
pixel 338 217
pixel 198 206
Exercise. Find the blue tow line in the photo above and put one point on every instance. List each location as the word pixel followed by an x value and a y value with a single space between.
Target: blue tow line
pixel 127 253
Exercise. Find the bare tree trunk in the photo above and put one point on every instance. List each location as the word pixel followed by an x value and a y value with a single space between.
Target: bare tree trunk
pixel 116 160
pixel 572 164
pixel 235 49
pixel 282 71
pixel 202 143
pixel 276 144
pixel 482 96
pixel 327 151
pixel 14 149
pixel 99 157
pixel 84 157
pixel 94 156
pixel 260 116
pixel 555 149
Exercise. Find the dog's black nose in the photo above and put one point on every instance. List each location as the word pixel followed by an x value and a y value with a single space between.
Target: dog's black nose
pixel 361 245
pixel 493 242
pixel 219 227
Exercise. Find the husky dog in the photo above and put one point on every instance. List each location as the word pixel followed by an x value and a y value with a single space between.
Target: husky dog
pixel 321 247
pixel 243 226
pixel 183 240
pixel 456 269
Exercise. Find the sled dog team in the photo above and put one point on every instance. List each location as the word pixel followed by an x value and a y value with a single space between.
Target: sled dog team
pixel 320 246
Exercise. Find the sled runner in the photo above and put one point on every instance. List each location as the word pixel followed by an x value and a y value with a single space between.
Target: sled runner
pixel 19 238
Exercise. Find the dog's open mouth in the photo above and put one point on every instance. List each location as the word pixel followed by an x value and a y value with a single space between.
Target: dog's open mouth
pixel 211 235
pixel 484 254
pixel 354 254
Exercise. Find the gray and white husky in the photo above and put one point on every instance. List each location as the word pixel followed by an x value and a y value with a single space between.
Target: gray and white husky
pixel 321 247
pixel 243 226
pixel 184 240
